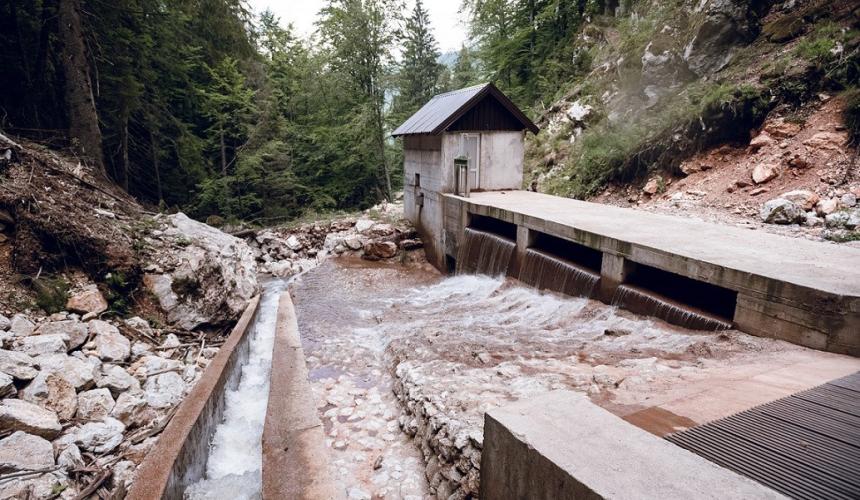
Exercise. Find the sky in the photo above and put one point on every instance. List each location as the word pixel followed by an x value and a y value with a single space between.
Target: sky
pixel 449 31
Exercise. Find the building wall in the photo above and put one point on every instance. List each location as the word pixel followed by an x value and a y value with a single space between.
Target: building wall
pixel 433 158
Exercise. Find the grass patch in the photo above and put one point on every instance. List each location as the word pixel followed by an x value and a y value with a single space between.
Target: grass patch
pixel 52 294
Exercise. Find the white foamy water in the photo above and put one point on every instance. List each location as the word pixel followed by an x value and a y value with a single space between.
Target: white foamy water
pixel 234 466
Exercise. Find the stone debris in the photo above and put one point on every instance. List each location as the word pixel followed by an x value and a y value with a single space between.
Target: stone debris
pixel 95 404
pixel 87 301
pixel 20 415
pixel 25 451
pixel 781 211
pixel 109 343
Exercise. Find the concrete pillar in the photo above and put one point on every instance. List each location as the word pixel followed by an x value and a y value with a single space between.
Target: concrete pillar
pixel 614 270
pixel 525 238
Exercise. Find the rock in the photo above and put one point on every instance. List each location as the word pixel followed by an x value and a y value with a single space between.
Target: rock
pixel 70 457
pixel 294 244
pixel 798 162
pixel 117 380
pixel 26 451
pixel 826 207
pixel 652 186
pixel 837 219
pixel 53 393
pixel 77 372
pixel 17 364
pixel 848 200
pixel 20 326
pixel 95 404
pixel 109 343
pixel 764 172
pixel 140 325
pixel 19 415
pixel 413 244
pixel 781 128
pixel 758 191
pixel 781 211
pixel 812 220
pixel 88 301
pixel 164 390
pixel 382 229
pixel 124 472
pixel 802 197
pixel 719 26
pixel 140 348
pixel 45 344
pixel 5 323
pixel 281 269
pixel 7 385
pixel 762 140
pixel 380 250
pixel 363 225
pixel 354 243
pixel 100 437
pixel 210 279
pixel 130 409
pixel 171 341
pixel 76 331
pixel 148 366
pixel 832 141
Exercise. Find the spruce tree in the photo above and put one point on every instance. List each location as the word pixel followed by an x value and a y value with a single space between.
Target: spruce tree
pixel 418 78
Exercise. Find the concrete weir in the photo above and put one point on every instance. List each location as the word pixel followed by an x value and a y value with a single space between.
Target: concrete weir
pixel 800 291
pixel 178 458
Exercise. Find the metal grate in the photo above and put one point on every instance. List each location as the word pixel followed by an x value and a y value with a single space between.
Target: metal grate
pixel 805 446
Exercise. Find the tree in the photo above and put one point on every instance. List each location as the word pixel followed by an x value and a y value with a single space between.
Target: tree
pixel 464 73
pixel 83 119
pixel 418 78
pixel 228 103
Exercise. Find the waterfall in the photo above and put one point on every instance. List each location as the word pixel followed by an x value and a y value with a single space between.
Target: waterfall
pixel 482 252
pixel 644 302
pixel 548 272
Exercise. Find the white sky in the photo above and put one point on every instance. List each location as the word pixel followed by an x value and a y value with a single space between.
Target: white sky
pixel 448 29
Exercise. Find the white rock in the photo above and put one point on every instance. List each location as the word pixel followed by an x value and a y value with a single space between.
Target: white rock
pixel 294 243
pixel 53 393
pixel 5 323
pixel 21 326
pixel 19 415
pixel 139 324
pixel 804 198
pixel 100 437
pixel 164 390
pixel 123 472
pixel 109 343
pixel 848 200
pixel 117 380
pixel 363 225
pixel 764 172
pixel 140 348
pixel 149 365
pixel 7 386
pixel 826 206
pixel 17 364
pixel 45 344
pixel 171 342
pixel 781 211
pixel 76 331
pixel 78 372
pixel 95 404
pixel 70 457
pixel 130 408
pixel 26 451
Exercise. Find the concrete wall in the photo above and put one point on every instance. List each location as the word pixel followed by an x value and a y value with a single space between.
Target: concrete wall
pixel 432 157
pixel 560 446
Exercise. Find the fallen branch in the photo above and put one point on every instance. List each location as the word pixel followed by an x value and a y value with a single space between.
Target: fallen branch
pixel 93 486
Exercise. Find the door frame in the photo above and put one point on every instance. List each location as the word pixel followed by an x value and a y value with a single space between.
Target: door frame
pixel 477 160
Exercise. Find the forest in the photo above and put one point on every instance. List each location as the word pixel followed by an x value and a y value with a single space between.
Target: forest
pixel 204 106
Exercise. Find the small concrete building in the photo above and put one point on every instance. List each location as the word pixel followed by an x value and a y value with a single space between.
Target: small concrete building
pixel 479 125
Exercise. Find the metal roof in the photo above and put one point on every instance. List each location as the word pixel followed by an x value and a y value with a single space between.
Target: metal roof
pixel 444 109
pixel 805 446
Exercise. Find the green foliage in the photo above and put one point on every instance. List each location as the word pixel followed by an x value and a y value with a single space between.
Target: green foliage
pixel 419 70
pixel 465 73
pixel 52 293
pixel 118 293
pixel 819 46
pixel 851 115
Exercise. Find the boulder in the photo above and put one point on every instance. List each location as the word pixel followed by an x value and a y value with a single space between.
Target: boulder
pixel 70 457
pixel 837 219
pixel 88 301
pixel 281 269
pixel 380 250
pixel 781 128
pixel 294 243
pixel 100 437
pixel 848 200
pixel 719 27
pixel 53 393
pixel 21 326
pixel 831 141
pixel 117 380
pixel 19 415
pixel 812 220
pixel 95 404
pixel 164 390
pixel 802 197
pixel 77 372
pixel 26 451
pixel 5 323
pixel 140 325
pixel 45 344
pixel 762 140
pixel 781 211
pixel 826 207
pixel 363 225
pixel 382 229
pixel 17 364
pixel 131 408
pixel 412 244
pixel 354 243
pixel 76 331
pixel 651 187
pixel 208 276
pixel 764 172
pixel 110 345
pixel 7 385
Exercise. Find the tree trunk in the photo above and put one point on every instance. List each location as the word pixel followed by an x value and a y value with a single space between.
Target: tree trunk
pixel 124 147
pixel 153 147
pixel 83 119
pixel 380 134
pixel 223 155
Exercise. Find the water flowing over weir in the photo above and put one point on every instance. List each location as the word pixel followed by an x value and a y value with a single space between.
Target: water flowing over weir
pixel 483 252
pixel 548 272
pixel 644 302
pixel 234 464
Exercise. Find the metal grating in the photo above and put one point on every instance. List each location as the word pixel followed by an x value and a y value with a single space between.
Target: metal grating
pixel 804 446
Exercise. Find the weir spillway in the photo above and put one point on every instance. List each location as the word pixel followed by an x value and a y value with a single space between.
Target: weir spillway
pixel 687 272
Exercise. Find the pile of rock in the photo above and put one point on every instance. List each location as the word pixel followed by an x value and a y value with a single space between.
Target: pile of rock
pixel 83 399
pixel 285 251
pixel 807 207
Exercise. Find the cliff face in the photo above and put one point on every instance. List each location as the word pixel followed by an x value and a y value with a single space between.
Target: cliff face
pixel 674 82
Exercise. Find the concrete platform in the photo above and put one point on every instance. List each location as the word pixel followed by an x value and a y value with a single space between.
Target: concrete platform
pixel 561 446
pixel 801 291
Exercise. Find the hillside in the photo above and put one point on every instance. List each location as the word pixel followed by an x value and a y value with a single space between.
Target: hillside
pixel 710 110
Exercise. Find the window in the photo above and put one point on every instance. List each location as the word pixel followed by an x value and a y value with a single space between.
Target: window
pixel 417 180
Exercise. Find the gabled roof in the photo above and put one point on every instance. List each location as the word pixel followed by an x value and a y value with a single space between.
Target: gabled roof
pixel 445 109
